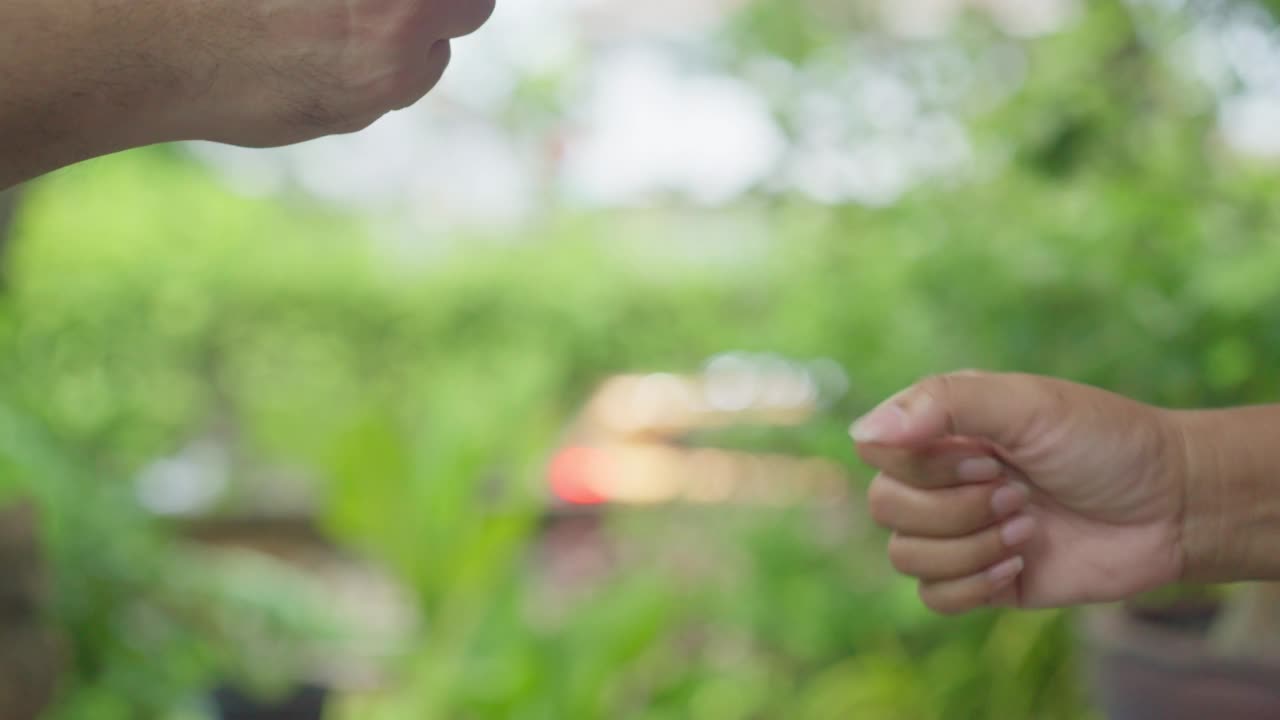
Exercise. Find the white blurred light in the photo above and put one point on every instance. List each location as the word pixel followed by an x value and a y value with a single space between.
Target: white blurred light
pixel 1200 54
pixel 887 102
pixel 1031 17
pixel 731 383
pixel 249 171
pixel 649 127
pixel 658 401
pixel 919 18
pixel 367 167
pixel 1235 52
pixel 655 17
pixel 1251 124
pixel 478 173
pixel 479 77
pixel 868 135
pixel 931 18
pixel 829 378
pixel 875 173
pixel 186 484
pixel 1253 52
pixel 942 146
pixel 783 386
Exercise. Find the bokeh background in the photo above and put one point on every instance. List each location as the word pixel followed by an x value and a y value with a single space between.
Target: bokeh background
pixel 531 401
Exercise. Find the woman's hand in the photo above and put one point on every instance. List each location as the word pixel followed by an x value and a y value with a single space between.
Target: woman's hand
pixel 1027 491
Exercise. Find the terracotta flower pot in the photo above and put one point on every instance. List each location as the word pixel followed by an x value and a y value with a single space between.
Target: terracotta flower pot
pixel 1156 665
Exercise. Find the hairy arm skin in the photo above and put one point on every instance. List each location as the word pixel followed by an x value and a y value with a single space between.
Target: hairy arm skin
pixel 84 78
pixel 78 79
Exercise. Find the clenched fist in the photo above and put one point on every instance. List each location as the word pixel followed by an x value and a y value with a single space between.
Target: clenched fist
pixel 1034 492
pixel 81 78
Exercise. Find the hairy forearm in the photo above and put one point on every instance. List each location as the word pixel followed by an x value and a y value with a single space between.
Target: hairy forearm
pixel 1232 522
pixel 82 78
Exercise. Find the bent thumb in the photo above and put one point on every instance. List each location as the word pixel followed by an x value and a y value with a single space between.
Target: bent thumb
pixel 970 404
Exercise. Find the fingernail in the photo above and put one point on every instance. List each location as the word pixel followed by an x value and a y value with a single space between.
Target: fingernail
pixel 1009 499
pixel 979 469
pixel 884 424
pixel 1018 530
pixel 1005 571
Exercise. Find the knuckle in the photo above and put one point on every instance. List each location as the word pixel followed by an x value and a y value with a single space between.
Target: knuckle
pixel 1033 386
pixel 957 512
pixel 880 502
pixel 992 547
pixel 481 11
pixel 932 383
pixel 943 388
pixel 953 597
pixel 937 601
pixel 416 76
pixel 901 555
pixel 937 387
pixel 404 98
pixel 982 554
pixel 346 126
pixel 943 385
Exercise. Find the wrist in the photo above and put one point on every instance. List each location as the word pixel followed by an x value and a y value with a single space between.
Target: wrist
pixel 88 79
pixel 1204 509
pixel 1229 468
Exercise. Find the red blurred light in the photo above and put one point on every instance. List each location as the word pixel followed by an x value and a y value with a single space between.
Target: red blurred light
pixel 572 472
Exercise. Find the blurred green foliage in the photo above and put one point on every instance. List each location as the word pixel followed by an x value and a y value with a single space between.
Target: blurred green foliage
pixel 403 394
pixel 1112 242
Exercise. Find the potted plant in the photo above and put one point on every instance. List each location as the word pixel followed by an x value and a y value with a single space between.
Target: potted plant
pixel 1188 652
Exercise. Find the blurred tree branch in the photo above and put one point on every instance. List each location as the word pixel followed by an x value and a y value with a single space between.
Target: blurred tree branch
pixel 29 657
pixel 8 208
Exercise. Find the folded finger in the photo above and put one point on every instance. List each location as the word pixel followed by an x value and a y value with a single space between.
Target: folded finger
pixel 944 513
pixel 951 597
pixel 943 463
pixel 936 559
